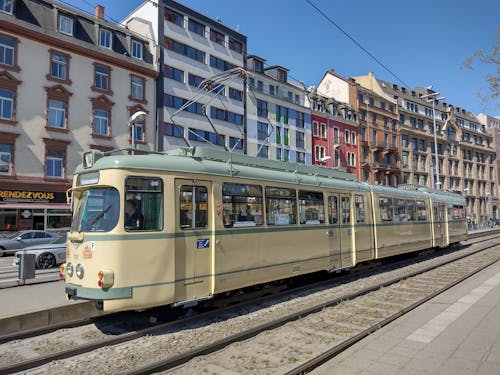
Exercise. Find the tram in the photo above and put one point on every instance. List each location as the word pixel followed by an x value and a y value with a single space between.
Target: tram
pixel 180 227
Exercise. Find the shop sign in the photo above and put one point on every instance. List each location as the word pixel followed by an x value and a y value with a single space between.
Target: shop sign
pixel 31 196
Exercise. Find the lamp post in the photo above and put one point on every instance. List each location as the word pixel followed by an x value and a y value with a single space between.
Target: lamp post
pixel 136 117
pixel 432 98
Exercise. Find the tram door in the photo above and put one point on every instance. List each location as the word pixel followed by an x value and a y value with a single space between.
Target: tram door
pixel 439 211
pixel 340 234
pixel 194 242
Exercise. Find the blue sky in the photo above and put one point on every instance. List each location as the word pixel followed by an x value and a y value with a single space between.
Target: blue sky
pixel 423 42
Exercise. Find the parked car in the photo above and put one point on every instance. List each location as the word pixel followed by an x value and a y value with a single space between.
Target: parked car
pixel 46 256
pixel 25 238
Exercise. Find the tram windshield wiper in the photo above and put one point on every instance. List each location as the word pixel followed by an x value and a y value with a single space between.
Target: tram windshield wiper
pixel 99 217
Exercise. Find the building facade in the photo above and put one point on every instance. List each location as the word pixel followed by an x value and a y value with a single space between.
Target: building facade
pixel 445 147
pixel 279 118
pixel 201 92
pixel 334 134
pixel 69 81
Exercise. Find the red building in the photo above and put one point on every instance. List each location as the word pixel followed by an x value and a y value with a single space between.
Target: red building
pixel 334 134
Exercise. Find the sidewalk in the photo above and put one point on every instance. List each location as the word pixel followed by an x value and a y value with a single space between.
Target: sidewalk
pixel 455 333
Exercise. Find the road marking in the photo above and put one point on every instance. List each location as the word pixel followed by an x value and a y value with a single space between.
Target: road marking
pixel 439 323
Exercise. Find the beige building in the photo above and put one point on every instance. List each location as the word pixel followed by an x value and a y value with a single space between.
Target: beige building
pixel 69 81
pixel 465 153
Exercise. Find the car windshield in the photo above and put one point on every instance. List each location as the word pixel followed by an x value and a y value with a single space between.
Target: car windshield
pixel 60 240
pixel 13 235
pixel 97 210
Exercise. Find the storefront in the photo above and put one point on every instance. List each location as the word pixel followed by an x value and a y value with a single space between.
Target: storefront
pixel 27 209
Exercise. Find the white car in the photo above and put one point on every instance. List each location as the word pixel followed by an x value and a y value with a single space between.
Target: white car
pixel 46 256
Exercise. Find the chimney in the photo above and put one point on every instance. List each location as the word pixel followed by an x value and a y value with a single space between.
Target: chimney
pixel 99 12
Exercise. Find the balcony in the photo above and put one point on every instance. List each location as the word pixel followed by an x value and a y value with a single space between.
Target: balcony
pixel 379 145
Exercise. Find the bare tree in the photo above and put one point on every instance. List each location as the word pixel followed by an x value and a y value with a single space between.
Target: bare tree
pixel 492 95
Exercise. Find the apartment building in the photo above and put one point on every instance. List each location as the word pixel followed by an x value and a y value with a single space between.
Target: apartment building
pixel 334 133
pixel 464 148
pixel 69 81
pixel 378 150
pixel 279 118
pixel 201 85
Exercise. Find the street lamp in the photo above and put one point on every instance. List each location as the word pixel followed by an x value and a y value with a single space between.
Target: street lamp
pixel 136 117
pixel 432 98
pixel 324 159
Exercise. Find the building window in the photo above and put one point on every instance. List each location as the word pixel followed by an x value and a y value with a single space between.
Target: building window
pixel 299 139
pixel 57 114
pixel 101 122
pixel 323 130
pixel 5 158
pixel 217 37
pixel 174 17
pixel 184 49
pixel 235 143
pixel 262 131
pixel 177 102
pixel 353 138
pixel 315 128
pixel 59 67
pixel 263 151
pixel 172 130
pixel 65 25
pixel 236 94
pixel 261 108
pixel 105 38
pixel 136 49
pixel 6 6
pixel 220 64
pixel 196 27
pixel 137 88
pixel 206 136
pixel 173 73
pixel 102 78
pixel 54 162
pixel 235 45
pixel 225 115
pixel 347 136
pixel 301 157
pixel 194 80
pixel 7 51
pixel 6 104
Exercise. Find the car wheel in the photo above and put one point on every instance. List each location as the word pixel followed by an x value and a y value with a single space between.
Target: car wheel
pixel 46 260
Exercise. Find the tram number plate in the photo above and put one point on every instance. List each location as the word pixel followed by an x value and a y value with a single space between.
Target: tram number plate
pixel 203 243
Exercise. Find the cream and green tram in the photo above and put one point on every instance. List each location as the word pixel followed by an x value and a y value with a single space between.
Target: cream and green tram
pixel 179 227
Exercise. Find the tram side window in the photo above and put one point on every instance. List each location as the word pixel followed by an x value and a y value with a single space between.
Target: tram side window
pixel 385 208
pixel 333 216
pixel 311 207
pixel 399 210
pixel 438 214
pixel 281 206
pixel 193 207
pixel 346 210
pixel 455 212
pixel 411 209
pixel 359 209
pixel 421 211
pixel 143 204
pixel 241 205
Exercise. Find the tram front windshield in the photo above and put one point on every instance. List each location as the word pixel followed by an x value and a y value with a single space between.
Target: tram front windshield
pixel 97 211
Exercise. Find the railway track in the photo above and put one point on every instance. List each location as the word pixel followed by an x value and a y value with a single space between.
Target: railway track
pixel 269 313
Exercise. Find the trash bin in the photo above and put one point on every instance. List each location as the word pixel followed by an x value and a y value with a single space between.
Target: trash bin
pixel 26 266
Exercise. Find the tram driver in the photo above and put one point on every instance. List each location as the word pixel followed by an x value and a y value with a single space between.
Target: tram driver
pixel 133 217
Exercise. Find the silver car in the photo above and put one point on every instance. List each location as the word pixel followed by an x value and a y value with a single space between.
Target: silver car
pixel 46 256
pixel 25 238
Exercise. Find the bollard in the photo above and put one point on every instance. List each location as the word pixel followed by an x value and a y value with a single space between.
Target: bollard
pixel 26 267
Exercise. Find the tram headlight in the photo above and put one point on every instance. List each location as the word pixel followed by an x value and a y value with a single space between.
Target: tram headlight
pixel 69 269
pixel 79 271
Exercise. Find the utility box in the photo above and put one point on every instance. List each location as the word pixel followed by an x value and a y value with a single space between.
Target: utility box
pixel 26 266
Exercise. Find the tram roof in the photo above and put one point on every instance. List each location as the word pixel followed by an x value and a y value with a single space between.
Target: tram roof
pixel 203 160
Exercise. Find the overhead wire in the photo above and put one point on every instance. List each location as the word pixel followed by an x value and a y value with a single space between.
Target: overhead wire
pixel 329 19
